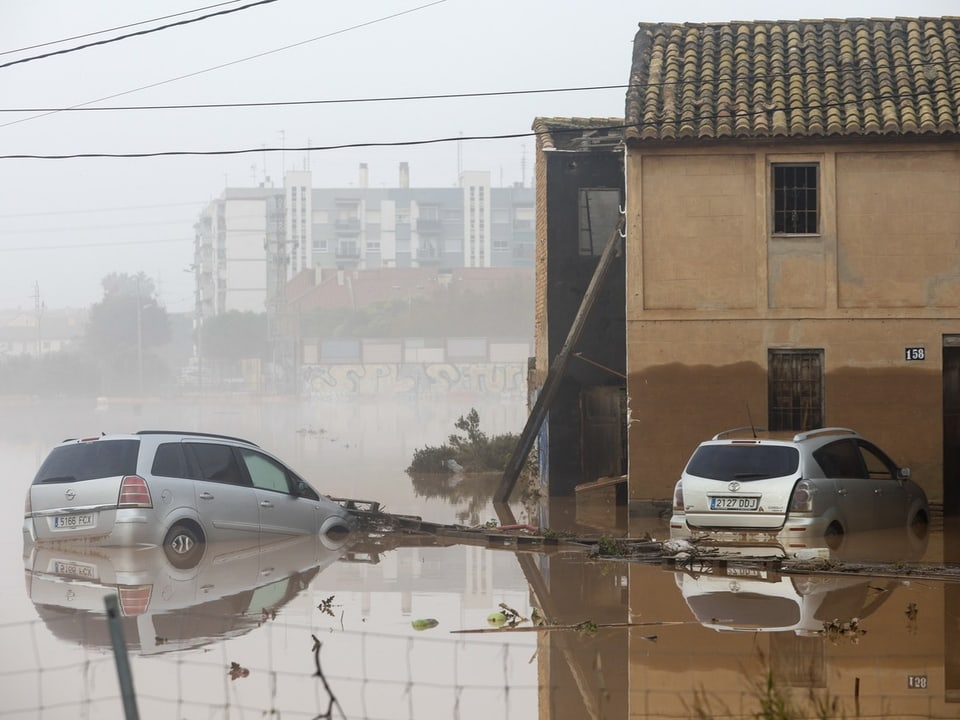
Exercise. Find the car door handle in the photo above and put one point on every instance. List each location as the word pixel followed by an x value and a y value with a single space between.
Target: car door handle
pixel 266 503
pixel 878 491
pixel 206 496
pixel 842 491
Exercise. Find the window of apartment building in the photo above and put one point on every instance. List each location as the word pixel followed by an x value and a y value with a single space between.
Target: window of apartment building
pixel 796 198
pixel 599 215
pixel 795 389
pixel 429 212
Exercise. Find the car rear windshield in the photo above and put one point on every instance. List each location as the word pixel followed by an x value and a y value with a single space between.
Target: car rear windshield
pixel 88 460
pixel 743 462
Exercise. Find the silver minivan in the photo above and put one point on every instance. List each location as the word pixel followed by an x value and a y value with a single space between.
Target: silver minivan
pixel 178 490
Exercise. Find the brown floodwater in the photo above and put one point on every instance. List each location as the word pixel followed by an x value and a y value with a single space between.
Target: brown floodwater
pixel 389 627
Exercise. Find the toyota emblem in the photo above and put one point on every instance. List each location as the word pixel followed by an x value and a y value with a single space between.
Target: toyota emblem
pixel 70 494
pixel 734 486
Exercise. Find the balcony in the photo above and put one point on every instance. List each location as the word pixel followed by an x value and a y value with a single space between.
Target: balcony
pixel 428 227
pixel 348 249
pixel 347 225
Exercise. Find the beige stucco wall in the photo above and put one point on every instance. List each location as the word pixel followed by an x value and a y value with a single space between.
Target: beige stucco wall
pixel 709 291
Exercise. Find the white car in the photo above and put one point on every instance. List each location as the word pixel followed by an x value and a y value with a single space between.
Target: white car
pixel 177 490
pixel 815 486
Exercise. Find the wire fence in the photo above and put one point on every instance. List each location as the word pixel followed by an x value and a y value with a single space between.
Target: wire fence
pixel 294 671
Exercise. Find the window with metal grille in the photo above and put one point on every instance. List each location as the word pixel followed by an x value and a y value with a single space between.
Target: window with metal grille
pixel 796 199
pixel 795 389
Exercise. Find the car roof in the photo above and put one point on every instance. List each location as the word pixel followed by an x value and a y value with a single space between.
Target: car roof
pixel 174 433
pixel 749 433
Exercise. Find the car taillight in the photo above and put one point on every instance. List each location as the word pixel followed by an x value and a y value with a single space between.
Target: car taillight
pixel 134 599
pixel 134 493
pixel 678 497
pixel 802 498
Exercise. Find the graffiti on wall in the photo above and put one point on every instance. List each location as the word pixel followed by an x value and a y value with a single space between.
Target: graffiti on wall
pixel 414 379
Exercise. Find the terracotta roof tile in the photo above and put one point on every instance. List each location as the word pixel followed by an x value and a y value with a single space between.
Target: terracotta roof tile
pixel 795 78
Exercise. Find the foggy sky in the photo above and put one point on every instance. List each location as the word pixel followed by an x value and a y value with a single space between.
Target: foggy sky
pixel 64 224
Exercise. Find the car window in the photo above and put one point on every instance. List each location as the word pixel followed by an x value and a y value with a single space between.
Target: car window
pixel 265 473
pixel 840 459
pixel 171 461
pixel 217 463
pixel 88 460
pixel 879 466
pixel 743 462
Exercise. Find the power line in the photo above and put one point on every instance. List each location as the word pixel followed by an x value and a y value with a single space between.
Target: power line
pixel 468 95
pixel 235 62
pixel 458 138
pixel 98 210
pixel 114 29
pixel 339 101
pixel 133 34
pixel 78 246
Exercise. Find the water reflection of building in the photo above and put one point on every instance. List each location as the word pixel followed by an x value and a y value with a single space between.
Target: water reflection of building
pixel 707 638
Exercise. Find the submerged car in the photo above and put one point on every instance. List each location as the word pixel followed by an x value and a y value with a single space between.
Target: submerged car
pixel 172 489
pixel 821 484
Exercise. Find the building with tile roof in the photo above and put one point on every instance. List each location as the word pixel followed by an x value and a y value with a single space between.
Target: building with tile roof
pixel 793 238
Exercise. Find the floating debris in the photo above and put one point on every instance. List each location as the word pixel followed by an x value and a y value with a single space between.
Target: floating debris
pixel 425 624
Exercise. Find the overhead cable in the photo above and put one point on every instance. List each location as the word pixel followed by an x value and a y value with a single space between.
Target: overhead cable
pixel 461 138
pixel 118 27
pixel 138 33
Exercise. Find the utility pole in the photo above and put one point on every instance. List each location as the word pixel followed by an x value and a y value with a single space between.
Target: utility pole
pixel 38 308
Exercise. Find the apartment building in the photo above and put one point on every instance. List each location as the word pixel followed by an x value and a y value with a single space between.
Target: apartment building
pixel 251 241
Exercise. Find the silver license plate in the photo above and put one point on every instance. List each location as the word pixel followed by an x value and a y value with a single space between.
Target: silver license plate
pixel 74 521
pixel 735 504
pixel 75 569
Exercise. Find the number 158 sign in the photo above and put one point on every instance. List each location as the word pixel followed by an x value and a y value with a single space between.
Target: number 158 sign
pixel 914 353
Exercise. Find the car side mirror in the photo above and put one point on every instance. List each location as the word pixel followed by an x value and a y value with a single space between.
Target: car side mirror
pixel 903 474
pixel 301 488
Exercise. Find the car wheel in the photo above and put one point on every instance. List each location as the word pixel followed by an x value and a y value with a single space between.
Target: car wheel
pixel 183 546
pixel 833 535
pixel 920 525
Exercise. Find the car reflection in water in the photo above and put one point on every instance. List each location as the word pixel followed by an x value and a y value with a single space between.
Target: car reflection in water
pixel 233 589
pixel 741 595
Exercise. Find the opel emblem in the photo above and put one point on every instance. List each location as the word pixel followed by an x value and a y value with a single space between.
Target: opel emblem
pixel 70 494
pixel 734 486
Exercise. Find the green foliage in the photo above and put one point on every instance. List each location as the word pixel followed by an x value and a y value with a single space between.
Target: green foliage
pixel 774 702
pixel 471 448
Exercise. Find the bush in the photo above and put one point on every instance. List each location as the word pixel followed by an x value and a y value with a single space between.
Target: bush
pixel 471 449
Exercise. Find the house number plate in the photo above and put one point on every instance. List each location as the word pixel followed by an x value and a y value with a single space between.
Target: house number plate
pixel 914 353
pixel 917 682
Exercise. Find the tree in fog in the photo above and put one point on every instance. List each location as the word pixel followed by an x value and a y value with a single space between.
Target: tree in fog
pixel 230 337
pixel 123 330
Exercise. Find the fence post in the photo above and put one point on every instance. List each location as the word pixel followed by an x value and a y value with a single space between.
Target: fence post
pixel 120 655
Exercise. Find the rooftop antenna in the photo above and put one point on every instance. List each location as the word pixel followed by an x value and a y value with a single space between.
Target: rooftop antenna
pixel 283 153
pixel 753 428
pixel 523 166
pixel 460 156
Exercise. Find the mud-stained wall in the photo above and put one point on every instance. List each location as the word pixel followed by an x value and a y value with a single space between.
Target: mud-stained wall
pixel 350 381
pixel 898 220
pixel 711 289
pixel 868 386
pixel 698 221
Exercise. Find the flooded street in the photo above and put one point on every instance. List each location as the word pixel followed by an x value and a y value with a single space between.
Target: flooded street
pixel 398 628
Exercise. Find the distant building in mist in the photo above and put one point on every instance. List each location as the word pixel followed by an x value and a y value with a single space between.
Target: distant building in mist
pixel 28 332
pixel 251 241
